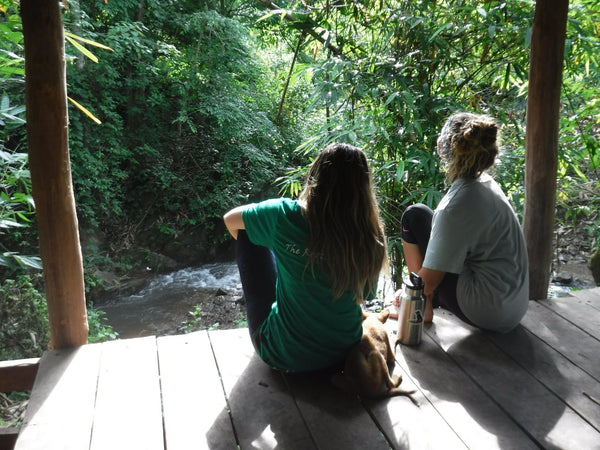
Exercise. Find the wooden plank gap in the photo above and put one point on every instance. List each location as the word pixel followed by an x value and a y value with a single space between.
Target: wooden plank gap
pixel 406 376
pixel 299 409
pixel 466 409
pixel 589 296
pixel 572 312
pixel 574 344
pixel 386 434
pixel 482 386
pixel 404 424
pixel 128 411
pixel 261 405
pixel 192 396
pixel 160 390
pixel 565 380
pixel 533 407
pixel 61 407
pixel 229 410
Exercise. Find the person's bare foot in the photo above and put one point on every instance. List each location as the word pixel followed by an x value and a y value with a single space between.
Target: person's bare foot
pixel 395 308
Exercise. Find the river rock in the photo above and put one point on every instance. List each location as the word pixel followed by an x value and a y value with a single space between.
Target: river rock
pixel 110 279
pixel 161 263
pixel 564 278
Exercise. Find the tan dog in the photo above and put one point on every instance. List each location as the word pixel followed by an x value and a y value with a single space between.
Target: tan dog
pixel 366 370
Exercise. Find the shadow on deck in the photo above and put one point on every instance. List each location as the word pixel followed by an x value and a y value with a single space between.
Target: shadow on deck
pixel 536 387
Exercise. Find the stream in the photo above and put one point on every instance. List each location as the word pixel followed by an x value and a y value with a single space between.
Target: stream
pixel 167 301
pixel 212 292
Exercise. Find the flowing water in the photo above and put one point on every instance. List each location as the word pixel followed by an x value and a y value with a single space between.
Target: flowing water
pixel 167 301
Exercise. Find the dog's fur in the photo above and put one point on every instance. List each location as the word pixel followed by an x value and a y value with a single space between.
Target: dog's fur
pixel 366 369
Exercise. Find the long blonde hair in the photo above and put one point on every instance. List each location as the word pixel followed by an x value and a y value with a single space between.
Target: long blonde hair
pixel 346 232
pixel 468 144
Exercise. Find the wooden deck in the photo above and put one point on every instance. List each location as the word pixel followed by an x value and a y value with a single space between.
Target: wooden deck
pixel 537 387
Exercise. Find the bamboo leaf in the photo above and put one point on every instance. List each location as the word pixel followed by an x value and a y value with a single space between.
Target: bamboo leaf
pixel 13 118
pixel 82 49
pixel 400 171
pixel 578 171
pixel 88 41
pixel 85 111
pixel 5 223
pixel 28 261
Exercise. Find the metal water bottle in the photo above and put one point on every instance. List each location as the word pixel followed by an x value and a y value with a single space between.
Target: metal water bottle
pixel 412 311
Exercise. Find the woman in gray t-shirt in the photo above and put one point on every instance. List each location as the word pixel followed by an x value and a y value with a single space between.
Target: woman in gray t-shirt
pixel 470 252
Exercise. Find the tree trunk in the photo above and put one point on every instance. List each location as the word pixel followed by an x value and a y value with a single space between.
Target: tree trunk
pixel 47 140
pixel 541 160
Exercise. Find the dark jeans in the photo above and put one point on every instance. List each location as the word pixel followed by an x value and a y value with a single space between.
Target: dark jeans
pixel 258 273
pixel 416 229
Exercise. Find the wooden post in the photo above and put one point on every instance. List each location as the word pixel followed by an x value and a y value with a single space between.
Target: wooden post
pixel 47 140
pixel 541 160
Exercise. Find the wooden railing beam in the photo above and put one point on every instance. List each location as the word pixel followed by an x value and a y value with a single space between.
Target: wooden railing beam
pixel 18 374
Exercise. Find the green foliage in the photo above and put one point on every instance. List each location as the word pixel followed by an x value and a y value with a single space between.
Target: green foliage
pixel 197 323
pixel 12 67
pixel 401 67
pixel 194 120
pixel 186 130
pixel 100 330
pixel 16 209
pixel 24 331
pixel 16 202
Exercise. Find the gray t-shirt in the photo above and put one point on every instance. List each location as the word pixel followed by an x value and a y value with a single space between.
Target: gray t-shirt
pixel 476 234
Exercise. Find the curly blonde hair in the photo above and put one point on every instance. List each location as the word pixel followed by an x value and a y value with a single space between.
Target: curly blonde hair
pixel 468 144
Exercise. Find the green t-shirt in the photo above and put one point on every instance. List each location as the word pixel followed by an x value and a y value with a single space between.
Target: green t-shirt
pixel 306 329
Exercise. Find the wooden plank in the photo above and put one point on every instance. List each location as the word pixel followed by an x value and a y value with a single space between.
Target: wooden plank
pixel 192 394
pixel 263 411
pixel 18 374
pixel 406 425
pixel 61 407
pixel 577 311
pixel 409 426
pixel 468 410
pixel 128 407
pixel 589 296
pixel 561 376
pixel 532 406
pixel 336 419
pixel 569 340
pixel 8 437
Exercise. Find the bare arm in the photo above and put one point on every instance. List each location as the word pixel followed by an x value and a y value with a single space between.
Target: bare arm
pixel 413 257
pixel 234 221
pixel 431 279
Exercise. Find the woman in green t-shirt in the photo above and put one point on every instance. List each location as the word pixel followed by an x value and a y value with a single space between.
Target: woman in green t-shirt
pixel 307 264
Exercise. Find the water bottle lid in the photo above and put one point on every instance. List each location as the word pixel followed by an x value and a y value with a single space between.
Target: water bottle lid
pixel 414 285
pixel 416 282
